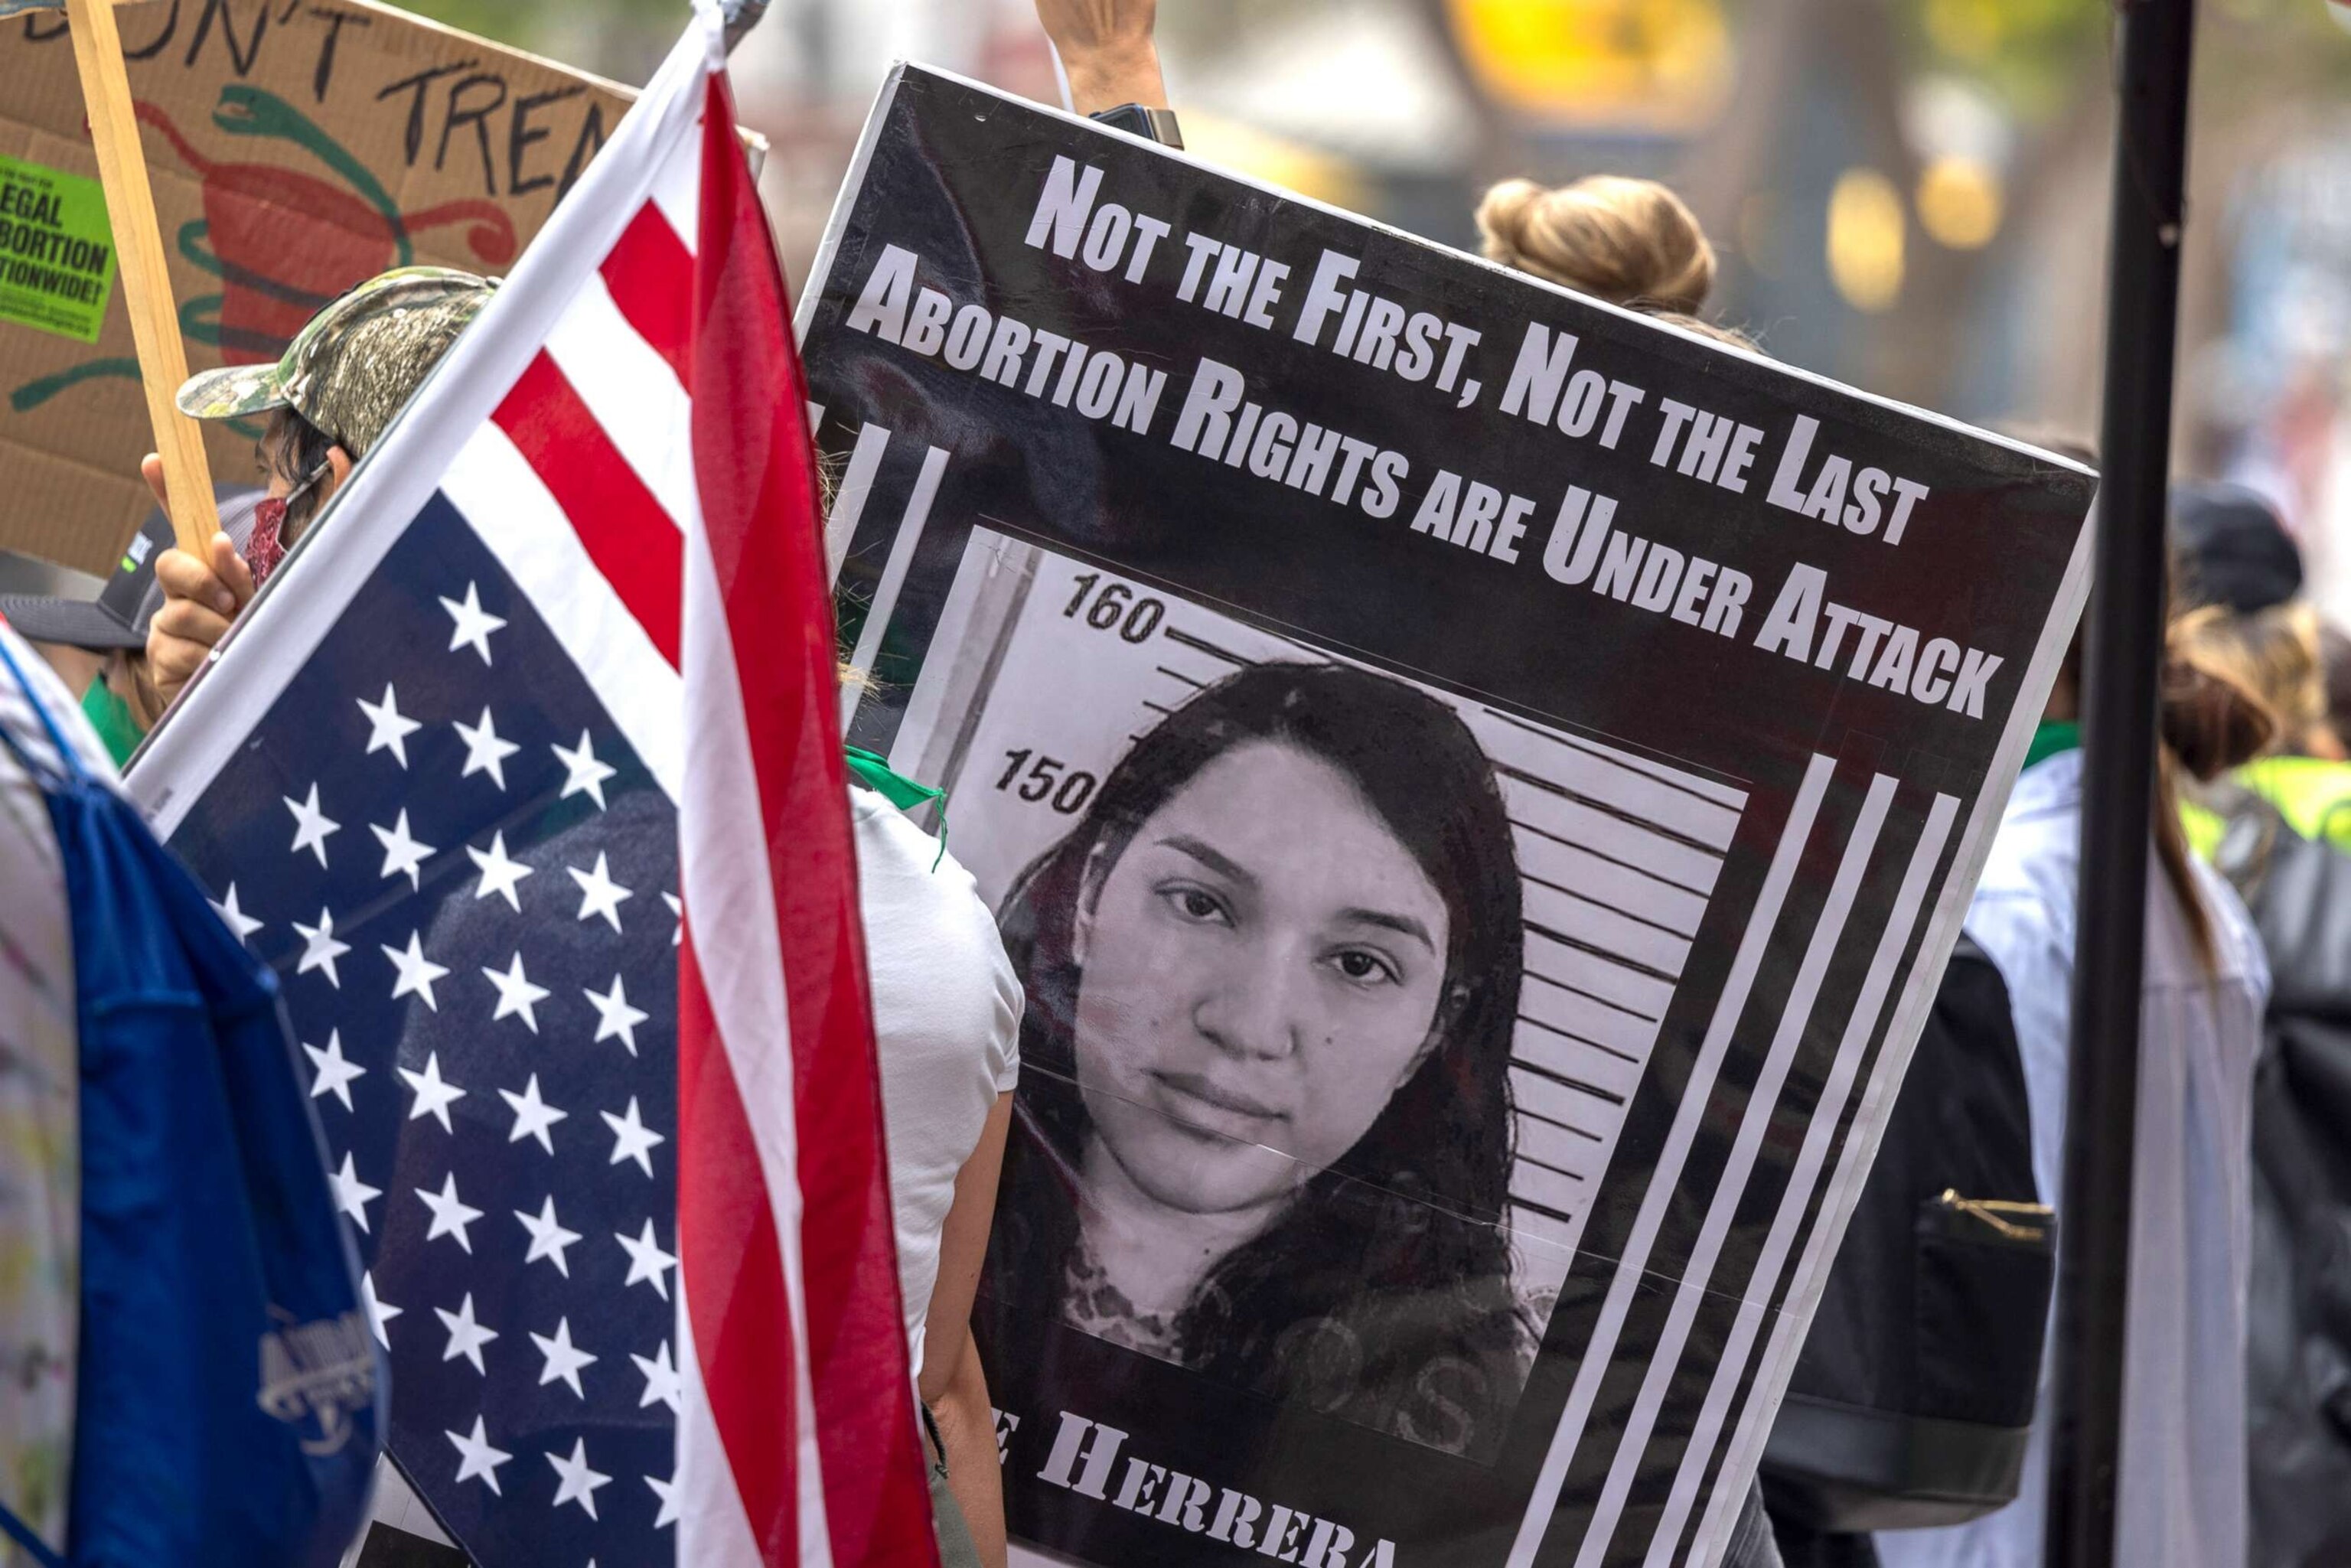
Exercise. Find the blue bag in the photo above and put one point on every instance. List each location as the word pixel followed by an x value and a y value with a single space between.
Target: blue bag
pixel 230 1394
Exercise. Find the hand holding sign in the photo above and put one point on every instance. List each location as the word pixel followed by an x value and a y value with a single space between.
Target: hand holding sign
pixel 203 592
pixel 1106 46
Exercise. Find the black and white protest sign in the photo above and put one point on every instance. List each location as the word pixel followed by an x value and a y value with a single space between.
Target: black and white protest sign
pixel 1479 786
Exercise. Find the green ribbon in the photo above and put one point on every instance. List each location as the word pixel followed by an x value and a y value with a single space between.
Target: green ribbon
pixel 2054 735
pixel 901 791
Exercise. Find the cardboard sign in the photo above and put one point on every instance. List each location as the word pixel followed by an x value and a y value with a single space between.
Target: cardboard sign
pixel 294 149
pixel 1478 786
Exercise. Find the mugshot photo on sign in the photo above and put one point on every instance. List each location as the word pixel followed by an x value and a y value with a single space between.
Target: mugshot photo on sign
pixel 1337 990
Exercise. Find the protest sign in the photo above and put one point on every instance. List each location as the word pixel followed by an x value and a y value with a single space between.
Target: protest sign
pixel 1479 786
pixel 293 150
pixel 60 272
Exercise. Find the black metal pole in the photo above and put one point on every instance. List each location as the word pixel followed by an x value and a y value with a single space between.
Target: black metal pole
pixel 2120 669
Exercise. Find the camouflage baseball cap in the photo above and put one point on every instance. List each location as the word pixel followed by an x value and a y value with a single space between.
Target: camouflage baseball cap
pixel 354 365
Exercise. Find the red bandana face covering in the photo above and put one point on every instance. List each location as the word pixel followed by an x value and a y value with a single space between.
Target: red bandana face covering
pixel 265 546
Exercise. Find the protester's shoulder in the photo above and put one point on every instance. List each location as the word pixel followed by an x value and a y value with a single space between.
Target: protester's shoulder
pixel 910 869
pixel 2030 870
pixel 924 912
pixel 2022 911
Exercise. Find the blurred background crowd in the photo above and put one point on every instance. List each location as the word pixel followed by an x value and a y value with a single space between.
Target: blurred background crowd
pixel 1908 196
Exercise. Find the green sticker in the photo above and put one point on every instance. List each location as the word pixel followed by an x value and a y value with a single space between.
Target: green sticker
pixel 56 250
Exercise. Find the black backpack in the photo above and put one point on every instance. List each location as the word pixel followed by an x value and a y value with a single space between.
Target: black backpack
pixel 1913 1396
pixel 2298 1362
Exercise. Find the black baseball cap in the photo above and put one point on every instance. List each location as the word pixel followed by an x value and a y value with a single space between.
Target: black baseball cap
pixel 2233 548
pixel 118 616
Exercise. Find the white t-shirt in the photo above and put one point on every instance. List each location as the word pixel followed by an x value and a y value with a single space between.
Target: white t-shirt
pixel 946 1020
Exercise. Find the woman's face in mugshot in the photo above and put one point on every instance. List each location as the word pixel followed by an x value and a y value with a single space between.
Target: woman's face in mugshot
pixel 1261 969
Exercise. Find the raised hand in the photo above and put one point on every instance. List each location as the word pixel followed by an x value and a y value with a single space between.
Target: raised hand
pixel 1107 47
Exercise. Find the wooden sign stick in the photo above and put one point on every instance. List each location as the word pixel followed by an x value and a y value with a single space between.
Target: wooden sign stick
pixel 146 284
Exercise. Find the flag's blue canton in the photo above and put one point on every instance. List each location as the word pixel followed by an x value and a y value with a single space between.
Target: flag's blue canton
pixel 473 922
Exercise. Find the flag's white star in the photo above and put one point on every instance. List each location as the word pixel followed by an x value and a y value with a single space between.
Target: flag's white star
pixel 466 1336
pixel 564 1360
pixel 582 772
pixel 352 1195
pixel 484 752
pixel 380 1312
pixel 311 825
pixel 662 1379
pixel 474 624
pixel 451 1214
pixel 599 894
pixel 647 1261
pixel 614 1016
pixel 402 852
pixel 533 1115
pixel 499 875
pixel 333 1072
pixel 547 1237
pixel 578 1483
pixel 667 1491
pixel 434 1093
pixel 677 911
pixel 631 1139
pixel 319 948
pixel 516 995
pixel 236 918
pixel 417 972
pixel 387 728
pixel 475 1458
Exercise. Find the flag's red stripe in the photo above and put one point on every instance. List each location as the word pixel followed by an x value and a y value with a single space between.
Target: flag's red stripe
pixel 650 275
pixel 754 466
pixel 733 1269
pixel 635 543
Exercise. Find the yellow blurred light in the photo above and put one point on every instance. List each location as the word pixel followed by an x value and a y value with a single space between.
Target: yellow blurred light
pixel 1960 201
pixel 1276 160
pixel 1965 29
pixel 1864 239
pixel 1658 63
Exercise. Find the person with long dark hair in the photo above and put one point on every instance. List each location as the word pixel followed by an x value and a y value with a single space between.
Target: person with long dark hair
pixel 1265 1130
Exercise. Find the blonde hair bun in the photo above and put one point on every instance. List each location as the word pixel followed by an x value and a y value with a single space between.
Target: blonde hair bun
pixel 1629 242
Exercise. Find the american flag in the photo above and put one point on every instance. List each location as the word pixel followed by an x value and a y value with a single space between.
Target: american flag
pixel 633 1265
pixel 465 888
